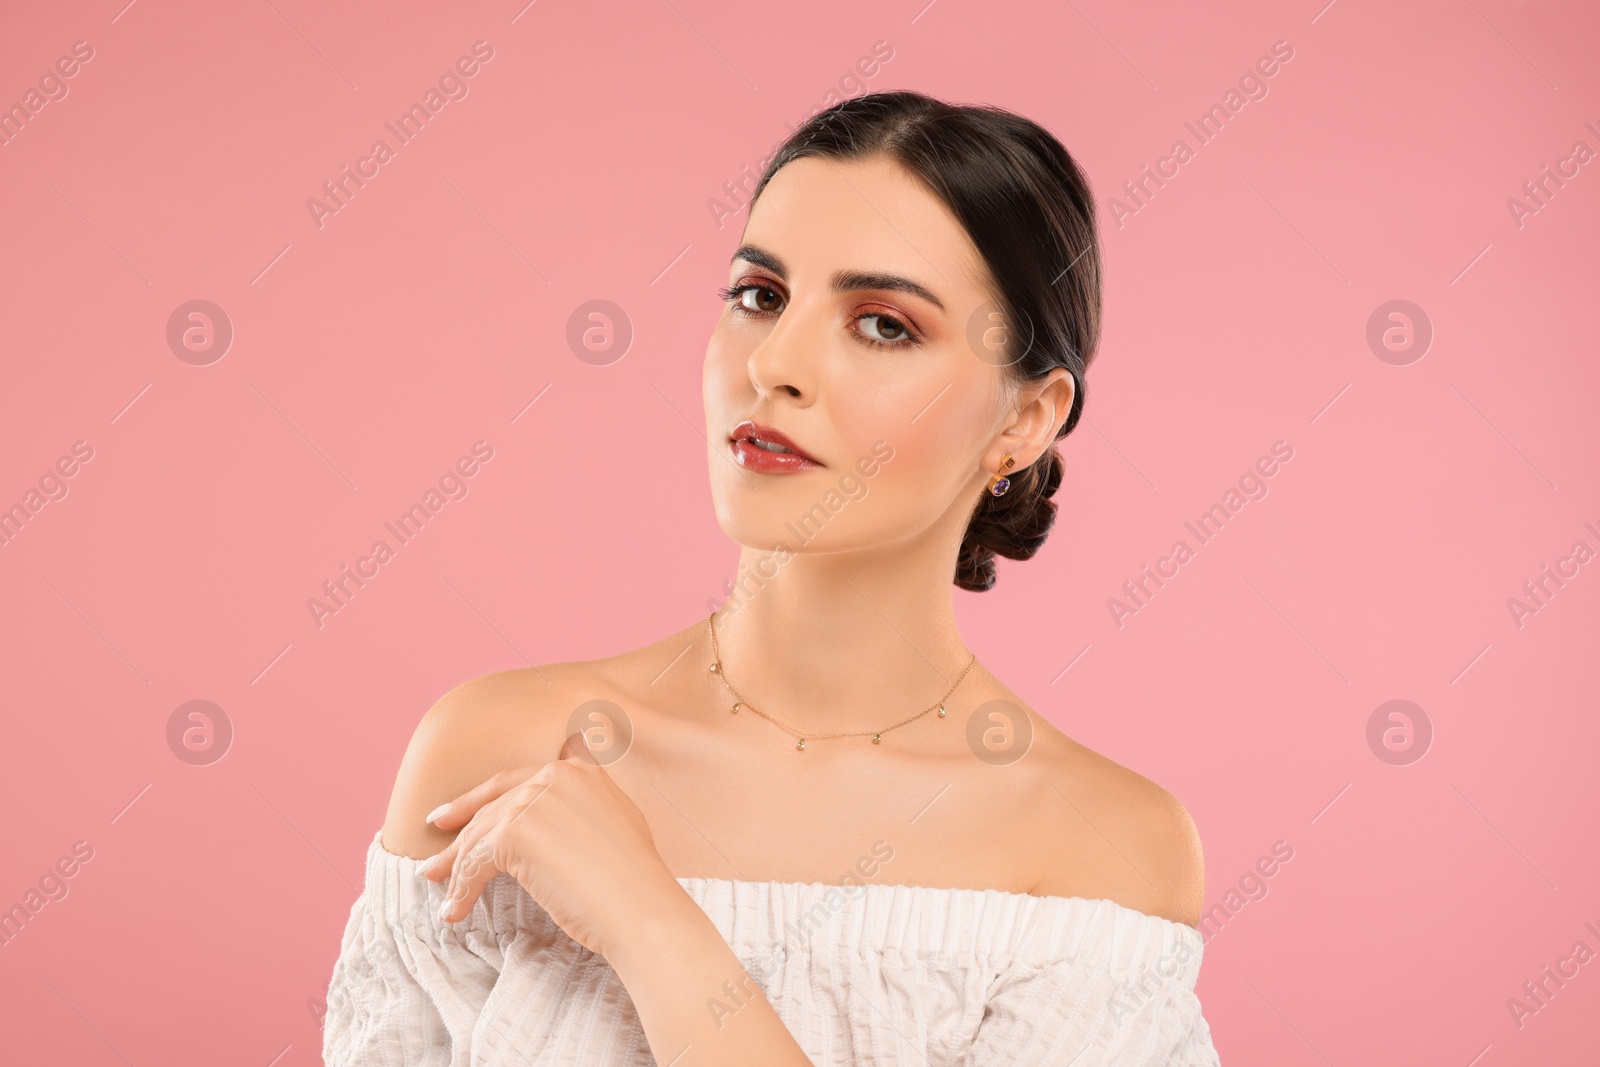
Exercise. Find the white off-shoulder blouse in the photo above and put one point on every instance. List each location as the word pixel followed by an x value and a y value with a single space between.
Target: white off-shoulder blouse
pixel 863 976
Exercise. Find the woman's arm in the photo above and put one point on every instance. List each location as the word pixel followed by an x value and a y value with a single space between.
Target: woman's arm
pixel 582 849
pixel 583 852
pixel 698 1004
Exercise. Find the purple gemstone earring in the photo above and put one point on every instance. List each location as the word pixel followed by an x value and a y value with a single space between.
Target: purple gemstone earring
pixel 998 484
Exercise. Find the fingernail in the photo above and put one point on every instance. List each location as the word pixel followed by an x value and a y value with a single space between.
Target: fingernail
pixel 436 812
pixel 426 865
pixel 444 911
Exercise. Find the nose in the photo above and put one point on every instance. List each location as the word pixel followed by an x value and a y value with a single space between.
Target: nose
pixel 785 362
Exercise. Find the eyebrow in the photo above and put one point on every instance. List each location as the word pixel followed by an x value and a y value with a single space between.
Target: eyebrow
pixel 842 281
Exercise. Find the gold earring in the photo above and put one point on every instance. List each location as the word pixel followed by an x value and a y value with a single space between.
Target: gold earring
pixel 998 483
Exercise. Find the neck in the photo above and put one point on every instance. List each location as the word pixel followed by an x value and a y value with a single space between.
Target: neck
pixel 843 642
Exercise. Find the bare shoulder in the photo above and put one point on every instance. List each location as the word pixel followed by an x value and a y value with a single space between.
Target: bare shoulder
pixel 483 726
pixel 496 722
pixel 1124 837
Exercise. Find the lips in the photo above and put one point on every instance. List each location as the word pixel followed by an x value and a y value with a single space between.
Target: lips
pixel 786 456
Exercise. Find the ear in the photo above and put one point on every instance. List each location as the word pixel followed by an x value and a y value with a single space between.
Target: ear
pixel 1042 407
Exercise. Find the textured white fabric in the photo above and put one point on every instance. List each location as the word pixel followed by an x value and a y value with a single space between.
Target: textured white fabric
pixel 868 976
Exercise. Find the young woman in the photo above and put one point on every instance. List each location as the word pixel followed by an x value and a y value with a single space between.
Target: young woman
pixel 812 828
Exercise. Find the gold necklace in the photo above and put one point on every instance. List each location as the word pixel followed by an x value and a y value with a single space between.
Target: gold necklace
pixel 876 735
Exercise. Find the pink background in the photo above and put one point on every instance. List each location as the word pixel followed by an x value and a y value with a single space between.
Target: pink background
pixel 372 351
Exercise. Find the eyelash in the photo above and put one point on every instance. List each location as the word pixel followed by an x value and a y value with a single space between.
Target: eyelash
pixel 731 294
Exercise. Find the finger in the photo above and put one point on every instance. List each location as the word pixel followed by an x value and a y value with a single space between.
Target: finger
pixel 577 747
pixel 472 871
pixel 437 867
pixel 456 813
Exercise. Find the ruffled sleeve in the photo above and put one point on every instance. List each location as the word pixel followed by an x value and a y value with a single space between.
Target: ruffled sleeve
pixel 408 988
pixel 1099 984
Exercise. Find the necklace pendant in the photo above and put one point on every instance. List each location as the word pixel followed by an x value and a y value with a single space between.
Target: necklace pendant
pixel 716 668
pixel 802 744
pixel 877 739
pixel 736 704
pixel 941 711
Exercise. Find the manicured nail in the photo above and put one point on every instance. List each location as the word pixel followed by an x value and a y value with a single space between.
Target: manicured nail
pixel 436 812
pixel 444 912
pixel 427 865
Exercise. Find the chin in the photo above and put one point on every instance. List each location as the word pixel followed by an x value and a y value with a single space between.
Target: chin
pixel 758 527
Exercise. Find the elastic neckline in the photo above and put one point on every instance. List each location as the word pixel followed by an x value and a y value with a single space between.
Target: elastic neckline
pixel 694 881
pixel 1053 911
pixel 954 891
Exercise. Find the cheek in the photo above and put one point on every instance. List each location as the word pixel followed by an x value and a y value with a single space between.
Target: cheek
pixel 720 378
pixel 935 444
pixel 727 395
pixel 929 418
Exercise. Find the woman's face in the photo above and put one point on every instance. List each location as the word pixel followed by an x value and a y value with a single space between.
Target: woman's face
pixel 852 339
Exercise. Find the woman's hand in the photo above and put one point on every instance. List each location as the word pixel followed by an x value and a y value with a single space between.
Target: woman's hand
pixel 583 851
pixel 573 839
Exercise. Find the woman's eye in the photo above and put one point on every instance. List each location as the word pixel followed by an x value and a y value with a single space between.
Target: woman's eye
pixel 766 300
pixel 886 329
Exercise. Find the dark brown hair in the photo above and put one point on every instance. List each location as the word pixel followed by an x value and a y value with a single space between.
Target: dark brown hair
pixel 1029 211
